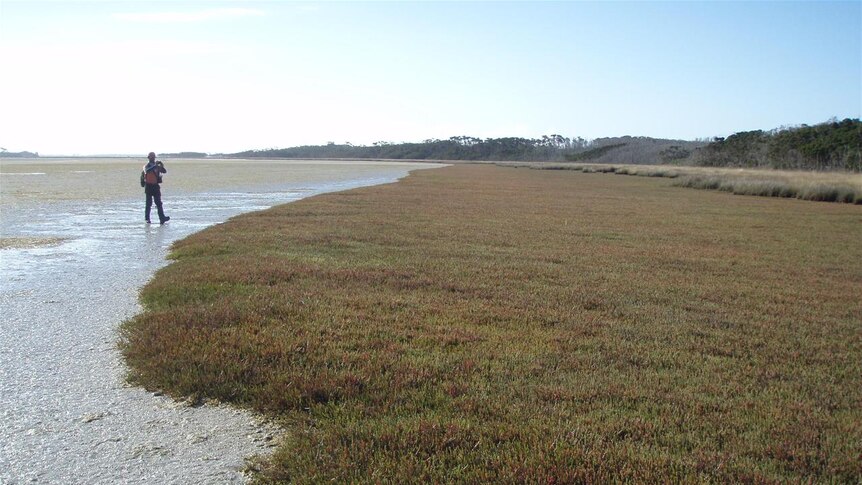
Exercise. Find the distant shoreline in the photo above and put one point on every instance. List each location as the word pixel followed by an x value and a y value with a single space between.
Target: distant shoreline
pixel 831 145
pixel 167 157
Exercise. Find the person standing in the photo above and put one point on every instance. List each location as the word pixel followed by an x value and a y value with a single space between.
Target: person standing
pixel 152 176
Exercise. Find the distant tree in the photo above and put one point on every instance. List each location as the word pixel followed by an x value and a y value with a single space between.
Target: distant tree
pixel 826 146
pixel 7 154
pixel 674 153
pixel 549 148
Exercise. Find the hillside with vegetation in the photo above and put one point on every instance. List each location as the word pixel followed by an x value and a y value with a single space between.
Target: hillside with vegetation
pixel 547 148
pixel 7 154
pixel 636 150
pixel 553 148
pixel 834 145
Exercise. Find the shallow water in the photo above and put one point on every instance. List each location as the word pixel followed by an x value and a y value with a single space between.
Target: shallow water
pixel 75 251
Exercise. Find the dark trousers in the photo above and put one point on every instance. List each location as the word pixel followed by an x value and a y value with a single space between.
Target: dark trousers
pixel 154 193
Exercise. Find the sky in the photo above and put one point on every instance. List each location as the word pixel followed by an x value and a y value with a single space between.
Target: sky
pixel 129 77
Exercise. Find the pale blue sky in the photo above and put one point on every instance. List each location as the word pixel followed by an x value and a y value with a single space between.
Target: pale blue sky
pixel 134 76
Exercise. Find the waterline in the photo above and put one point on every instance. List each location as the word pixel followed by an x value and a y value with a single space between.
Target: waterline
pixel 66 414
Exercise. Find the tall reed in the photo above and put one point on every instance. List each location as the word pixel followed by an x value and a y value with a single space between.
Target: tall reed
pixel 816 186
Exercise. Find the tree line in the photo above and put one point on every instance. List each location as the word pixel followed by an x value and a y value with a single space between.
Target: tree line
pixel 834 145
pixel 184 155
pixel 548 148
pixel 7 154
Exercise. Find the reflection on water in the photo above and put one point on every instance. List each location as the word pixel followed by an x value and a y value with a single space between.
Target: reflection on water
pixel 95 207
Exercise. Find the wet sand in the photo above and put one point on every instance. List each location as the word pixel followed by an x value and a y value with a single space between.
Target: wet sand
pixel 28 242
pixel 75 251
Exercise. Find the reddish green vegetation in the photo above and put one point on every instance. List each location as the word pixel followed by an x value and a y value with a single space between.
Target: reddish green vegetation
pixel 488 324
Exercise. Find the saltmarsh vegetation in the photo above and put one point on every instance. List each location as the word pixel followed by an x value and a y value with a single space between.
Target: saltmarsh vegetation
pixel 485 324
pixel 837 186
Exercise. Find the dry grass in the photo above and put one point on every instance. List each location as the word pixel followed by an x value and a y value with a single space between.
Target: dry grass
pixel 816 186
pixel 482 324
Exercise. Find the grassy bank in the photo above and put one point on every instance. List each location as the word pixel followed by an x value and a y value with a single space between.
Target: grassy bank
pixel 835 186
pixel 484 324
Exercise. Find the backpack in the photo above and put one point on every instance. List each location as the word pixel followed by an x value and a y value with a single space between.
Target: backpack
pixel 152 177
